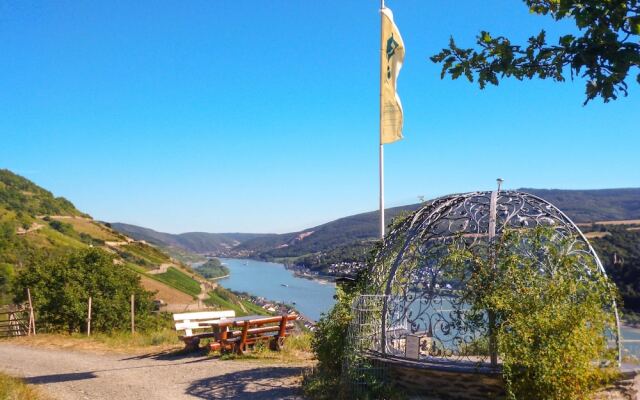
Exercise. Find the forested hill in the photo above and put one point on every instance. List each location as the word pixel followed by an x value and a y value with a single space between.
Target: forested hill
pixel 580 205
pixel 348 229
pixel 593 205
pixel 197 242
pixel 24 198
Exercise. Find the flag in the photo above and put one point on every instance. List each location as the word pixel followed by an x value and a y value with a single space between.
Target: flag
pixel 392 55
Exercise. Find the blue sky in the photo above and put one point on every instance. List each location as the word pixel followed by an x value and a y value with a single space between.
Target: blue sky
pixel 262 116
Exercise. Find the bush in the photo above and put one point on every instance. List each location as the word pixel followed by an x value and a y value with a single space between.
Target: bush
pixel 552 311
pixel 212 269
pixel 61 285
pixel 329 346
pixel 7 275
pixel 62 227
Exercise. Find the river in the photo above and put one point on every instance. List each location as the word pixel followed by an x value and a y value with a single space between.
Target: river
pixel 274 282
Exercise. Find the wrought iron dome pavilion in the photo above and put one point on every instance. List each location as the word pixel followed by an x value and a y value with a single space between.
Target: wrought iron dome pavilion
pixel 412 312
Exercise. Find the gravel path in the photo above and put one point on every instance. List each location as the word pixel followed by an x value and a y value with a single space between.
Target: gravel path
pixel 66 374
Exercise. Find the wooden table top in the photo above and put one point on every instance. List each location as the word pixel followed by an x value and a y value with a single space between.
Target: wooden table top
pixel 235 320
pixel 240 321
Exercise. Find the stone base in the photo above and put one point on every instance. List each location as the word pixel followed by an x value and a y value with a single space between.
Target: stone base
pixel 444 380
pixel 450 380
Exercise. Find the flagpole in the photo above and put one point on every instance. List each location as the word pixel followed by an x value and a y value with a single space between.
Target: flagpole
pixel 381 154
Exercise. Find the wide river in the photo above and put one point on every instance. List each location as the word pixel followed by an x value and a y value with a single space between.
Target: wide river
pixel 274 282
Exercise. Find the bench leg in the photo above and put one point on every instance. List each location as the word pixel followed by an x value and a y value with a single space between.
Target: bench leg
pixel 277 343
pixel 192 344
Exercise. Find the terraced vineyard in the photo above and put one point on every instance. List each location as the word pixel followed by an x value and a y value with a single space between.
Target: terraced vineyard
pixel 33 222
pixel 178 280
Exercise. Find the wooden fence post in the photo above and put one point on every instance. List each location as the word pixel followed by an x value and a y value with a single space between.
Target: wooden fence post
pixel 133 314
pixel 32 318
pixel 89 318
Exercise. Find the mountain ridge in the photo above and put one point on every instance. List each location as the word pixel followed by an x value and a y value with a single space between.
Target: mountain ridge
pixel 582 206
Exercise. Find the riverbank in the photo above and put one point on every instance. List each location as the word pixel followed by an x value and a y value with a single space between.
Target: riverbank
pixel 255 298
pixel 275 283
pixel 322 279
pixel 276 308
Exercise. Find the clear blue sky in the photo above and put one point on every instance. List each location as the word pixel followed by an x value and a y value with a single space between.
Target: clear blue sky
pixel 261 116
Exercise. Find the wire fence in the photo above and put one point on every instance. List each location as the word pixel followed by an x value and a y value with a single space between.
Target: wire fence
pixel 362 372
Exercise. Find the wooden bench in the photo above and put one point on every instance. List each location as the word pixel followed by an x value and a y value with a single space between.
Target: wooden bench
pixel 273 330
pixel 190 322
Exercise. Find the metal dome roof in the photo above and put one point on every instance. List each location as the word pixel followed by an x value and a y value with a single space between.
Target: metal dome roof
pixel 407 266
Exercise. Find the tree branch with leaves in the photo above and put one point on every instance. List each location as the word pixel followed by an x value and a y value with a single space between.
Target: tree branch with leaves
pixel 606 52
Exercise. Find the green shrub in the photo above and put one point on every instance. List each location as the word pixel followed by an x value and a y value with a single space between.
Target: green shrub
pixel 212 269
pixel 7 276
pixel 61 286
pixel 552 310
pixel 62 227
pixel 329 344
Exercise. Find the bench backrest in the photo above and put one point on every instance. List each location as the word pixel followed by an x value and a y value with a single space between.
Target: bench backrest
pixel 187 322
pixel 254 330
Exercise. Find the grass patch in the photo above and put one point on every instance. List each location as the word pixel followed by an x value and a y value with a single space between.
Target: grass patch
pixel 146 252
pixel 178 280
pixel 89 227
pixel 135 268
pixel 119 342
pixel 50 238
pixel 224 299
pixel 14 389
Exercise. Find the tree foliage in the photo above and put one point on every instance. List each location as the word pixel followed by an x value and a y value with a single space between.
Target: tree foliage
pixel 21 195
pixel 212 269
pixel 605 52
pixel 329 344
pixel 552 309
pixel 60 288
pixel 619 251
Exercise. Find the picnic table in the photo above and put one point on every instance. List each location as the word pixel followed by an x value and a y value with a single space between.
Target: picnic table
pixel 251 329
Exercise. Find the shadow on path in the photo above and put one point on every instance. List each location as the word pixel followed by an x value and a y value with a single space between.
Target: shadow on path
pixel 173 355
pixel 76 376
pixel 256 384
pixel 44 379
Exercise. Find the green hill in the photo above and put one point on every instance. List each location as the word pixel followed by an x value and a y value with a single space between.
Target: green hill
pixel 580 205
pixel 618 247
pixel 26 199
pixel 593 205
pixel 33 222
pixel 196 242
pixel 335 237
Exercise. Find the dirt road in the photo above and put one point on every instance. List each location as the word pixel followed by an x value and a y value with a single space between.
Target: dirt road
pixel 66 374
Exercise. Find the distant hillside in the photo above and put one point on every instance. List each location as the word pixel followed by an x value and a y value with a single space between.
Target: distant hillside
pixel 197 242
pixel 359 227
pixel 618 247
pixel 580 205
pixel 593 205
pixel 336 236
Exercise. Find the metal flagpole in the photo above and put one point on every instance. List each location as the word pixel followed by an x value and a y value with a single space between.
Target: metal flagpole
pixel 381 155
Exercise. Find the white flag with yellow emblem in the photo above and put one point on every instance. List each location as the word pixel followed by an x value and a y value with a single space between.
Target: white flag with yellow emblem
pixel 392 56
